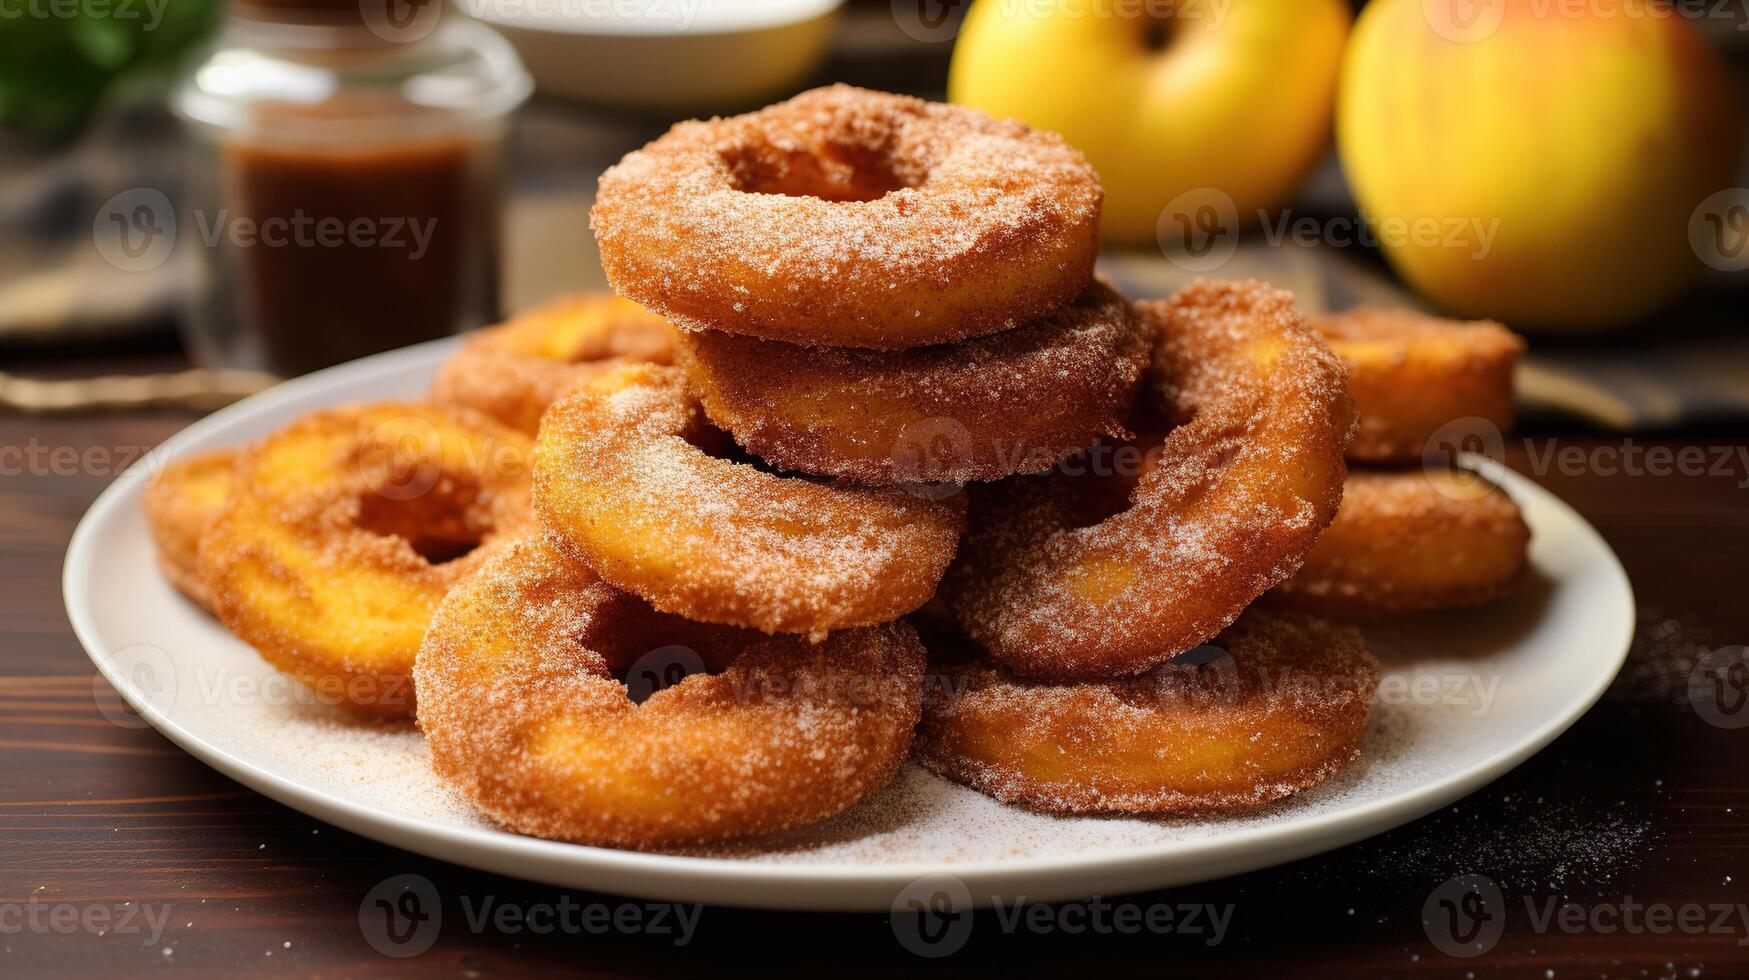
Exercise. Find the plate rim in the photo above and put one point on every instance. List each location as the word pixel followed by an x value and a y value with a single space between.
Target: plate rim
pixel 849 886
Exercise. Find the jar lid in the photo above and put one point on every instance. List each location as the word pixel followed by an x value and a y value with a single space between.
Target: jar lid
pixel 308 70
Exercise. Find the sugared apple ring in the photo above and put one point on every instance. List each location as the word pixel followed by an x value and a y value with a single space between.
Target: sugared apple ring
pixel 1281 710
pixel 621 479
pixel 181 502
pixel 1411 541
pixel 346 528
pixel 1014 402
pixel 1242 487
pixel 514 370
pixel 1413 374
pixel 850 218
pixel 520 701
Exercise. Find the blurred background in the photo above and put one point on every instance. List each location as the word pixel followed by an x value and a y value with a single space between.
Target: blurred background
pixel 257 188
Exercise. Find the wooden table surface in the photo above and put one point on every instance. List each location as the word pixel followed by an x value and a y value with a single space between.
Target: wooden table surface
pixel 1639 815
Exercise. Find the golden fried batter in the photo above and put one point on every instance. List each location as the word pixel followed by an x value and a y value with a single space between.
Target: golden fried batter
pixel 181 502
pixel 1412 540
pixel 1240 491
pixel 347 527
pixel 622 483
pixel 850 218
pixel 1412 374
pixel 520 700
pixel 1013 402
pixel 514 370
pixel 1278 707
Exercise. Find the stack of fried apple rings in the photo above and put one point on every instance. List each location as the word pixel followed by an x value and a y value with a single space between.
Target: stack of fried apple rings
pixel 655 569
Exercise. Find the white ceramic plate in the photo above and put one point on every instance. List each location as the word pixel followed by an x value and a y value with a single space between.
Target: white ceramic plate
pixel 1466 697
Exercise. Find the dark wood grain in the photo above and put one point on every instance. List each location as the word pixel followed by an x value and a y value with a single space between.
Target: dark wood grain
pixel 1642 798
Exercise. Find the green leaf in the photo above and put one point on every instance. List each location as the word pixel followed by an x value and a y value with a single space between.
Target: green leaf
pixel 106 42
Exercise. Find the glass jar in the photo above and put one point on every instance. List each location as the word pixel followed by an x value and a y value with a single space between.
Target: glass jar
pixel 345 179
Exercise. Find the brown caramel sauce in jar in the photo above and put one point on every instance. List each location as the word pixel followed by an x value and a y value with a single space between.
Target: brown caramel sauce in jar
pixel 345 186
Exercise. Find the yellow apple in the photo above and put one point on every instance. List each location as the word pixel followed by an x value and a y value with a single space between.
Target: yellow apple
pixel 1164 96
pixel 1583 133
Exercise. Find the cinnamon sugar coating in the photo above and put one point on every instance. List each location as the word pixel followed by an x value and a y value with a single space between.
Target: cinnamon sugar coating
pixel 621 480
pixel 347 527
pixel 850 218
pixel 520 703
pixel 1014 402
pixel 514 370
pixel 1277 708
pixel 1244 483
pixel 1412 541
pixel 181 502
pixel 1413 374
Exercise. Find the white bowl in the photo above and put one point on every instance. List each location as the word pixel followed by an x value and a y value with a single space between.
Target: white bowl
pixel 666 55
